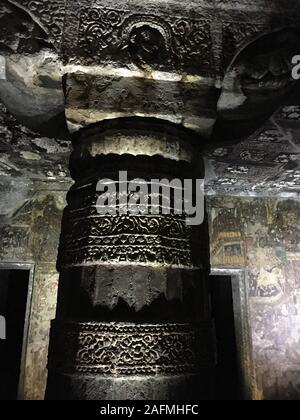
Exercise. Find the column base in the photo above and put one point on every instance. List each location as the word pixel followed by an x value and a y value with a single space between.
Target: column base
pixel 170 388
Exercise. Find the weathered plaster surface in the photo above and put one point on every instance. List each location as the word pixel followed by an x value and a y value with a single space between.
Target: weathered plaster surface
pixel 32 234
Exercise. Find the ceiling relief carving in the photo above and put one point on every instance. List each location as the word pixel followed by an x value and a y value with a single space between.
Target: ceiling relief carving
pixel 266 163
pixel 191 33
pixel 266 66
pixel 235 37
pixel 290 113
pixel 164 36
pixel 31 78
pixel 196 38
pixel 146 42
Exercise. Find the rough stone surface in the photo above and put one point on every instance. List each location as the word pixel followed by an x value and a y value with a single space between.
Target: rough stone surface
pixel 24 153
pixel 258 80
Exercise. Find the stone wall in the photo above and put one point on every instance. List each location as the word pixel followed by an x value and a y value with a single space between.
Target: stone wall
pixel 262 236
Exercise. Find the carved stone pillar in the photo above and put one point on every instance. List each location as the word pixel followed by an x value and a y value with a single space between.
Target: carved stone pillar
pixel 133 317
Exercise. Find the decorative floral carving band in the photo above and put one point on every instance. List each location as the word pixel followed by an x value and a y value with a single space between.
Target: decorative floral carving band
pixel 150 239
pixel 129 349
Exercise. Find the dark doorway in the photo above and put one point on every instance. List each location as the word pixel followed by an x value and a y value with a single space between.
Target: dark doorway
pixel 227 377
pixel 13 302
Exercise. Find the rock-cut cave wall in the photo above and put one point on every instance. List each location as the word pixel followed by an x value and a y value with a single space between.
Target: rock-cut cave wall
pixel 258 235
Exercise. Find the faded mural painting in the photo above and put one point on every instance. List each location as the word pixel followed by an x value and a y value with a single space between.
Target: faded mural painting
pixel 262 236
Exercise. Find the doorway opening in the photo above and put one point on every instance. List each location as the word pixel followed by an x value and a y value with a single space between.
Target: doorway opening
pixel 227 378
pixel 15 298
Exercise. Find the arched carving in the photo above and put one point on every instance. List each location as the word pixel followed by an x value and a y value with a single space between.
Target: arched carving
pixel 258 81
pixel 147 41
pixel 19 33
pixel 49 15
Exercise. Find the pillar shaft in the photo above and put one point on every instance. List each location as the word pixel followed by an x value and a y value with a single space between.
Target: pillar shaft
pixel 133 317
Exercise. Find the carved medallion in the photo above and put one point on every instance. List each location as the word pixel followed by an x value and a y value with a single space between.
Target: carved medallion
pixel 157 41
